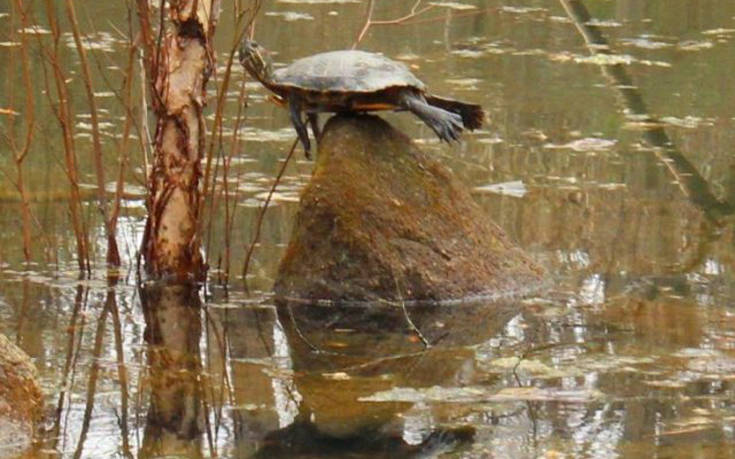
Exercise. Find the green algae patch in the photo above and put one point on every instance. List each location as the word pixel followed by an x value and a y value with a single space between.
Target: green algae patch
pixel 382 220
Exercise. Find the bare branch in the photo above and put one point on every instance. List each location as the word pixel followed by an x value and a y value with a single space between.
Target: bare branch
pixel 369 21
pixel 261 214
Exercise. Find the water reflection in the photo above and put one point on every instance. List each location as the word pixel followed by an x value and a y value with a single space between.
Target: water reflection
pixel 175 420
pixel 342 356
pixel 625 195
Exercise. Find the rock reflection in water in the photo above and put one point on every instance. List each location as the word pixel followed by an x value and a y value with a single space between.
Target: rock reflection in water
pixel 341 354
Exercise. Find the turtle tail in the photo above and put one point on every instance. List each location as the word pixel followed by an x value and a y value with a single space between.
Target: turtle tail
pixel 472 115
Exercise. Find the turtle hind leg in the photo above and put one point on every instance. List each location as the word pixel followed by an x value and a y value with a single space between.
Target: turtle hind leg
pixel 472 115
pixel 294 108
pixel 447 125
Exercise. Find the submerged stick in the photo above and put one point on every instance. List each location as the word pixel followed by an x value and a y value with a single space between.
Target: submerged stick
pixel 691 182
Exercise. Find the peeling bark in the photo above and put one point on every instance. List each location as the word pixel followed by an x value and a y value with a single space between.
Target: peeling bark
pixel 180 69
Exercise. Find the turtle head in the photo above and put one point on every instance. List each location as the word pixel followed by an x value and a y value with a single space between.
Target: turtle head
pixel 256 60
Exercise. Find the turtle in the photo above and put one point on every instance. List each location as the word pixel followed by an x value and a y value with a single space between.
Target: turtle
pixel 354 81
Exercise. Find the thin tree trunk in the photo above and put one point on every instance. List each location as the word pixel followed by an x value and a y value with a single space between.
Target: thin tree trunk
pixel 178 70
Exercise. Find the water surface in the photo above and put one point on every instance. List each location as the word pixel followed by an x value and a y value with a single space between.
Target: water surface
pixel 616 173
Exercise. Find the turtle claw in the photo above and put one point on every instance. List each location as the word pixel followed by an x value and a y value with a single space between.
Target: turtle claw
pixel 449 128
pixel 446 125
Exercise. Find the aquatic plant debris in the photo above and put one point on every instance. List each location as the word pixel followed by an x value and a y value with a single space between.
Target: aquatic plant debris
pixel 604 59
pixel 515 188
pixel 465 83
pixel 645 43
pixel 318 2
pixel 585 144
pixel 35 30
pixel 290 16
pixel 689 122
pixel 454 5
pixel 718 31
pixel 695 45
pixel 604 23
pixel 521 9
pixel 477 394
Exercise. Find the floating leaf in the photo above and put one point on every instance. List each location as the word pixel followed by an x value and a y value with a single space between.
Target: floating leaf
pixel 490 140
pixel 586 144
pixel 34 30
pixel 666 383
pixel 547 394
pixel 515 188
pixel 645 43
pixel 264 135
pixel 531 367
pixel 430 394
pixel 520 9
pixel 7 111
pixel 317 2
pixel 693 45
pixel 689 122
pixel 465 83
pixel 605 59
pixel 720 366
pixel 454 5
pixel 291 16
pixel 719 31
pixel 438 394
pixel 469 53
pixel 278 197
pixel 604 23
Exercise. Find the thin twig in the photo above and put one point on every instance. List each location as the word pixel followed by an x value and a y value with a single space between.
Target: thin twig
pixel 230 208
pixel 63 112
pixel 113 254
pixel 402 305
pixel 20 153
pixel 216 141
pixel 366 26
pixel 369 21
pixel 261 214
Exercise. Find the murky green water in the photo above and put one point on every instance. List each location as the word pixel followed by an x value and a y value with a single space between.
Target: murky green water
pixel 617 175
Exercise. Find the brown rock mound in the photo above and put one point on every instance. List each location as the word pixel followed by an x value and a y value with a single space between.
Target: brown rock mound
pixel 20 399
pixel 380 219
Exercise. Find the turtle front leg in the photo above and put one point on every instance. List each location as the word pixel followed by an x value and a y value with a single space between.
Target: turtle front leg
pixel 294 108
pixel 314 122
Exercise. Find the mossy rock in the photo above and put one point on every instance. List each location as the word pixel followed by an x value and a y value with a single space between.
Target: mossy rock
pixel 21 399
pixel 382 220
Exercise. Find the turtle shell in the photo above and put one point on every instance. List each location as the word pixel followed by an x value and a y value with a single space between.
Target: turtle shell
pixel 346 71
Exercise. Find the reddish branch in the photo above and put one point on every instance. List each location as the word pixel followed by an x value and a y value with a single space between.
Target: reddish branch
pixel 63 113
pixel 261 213
pixel 369 21
pixel 113 254
pixel 20 152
